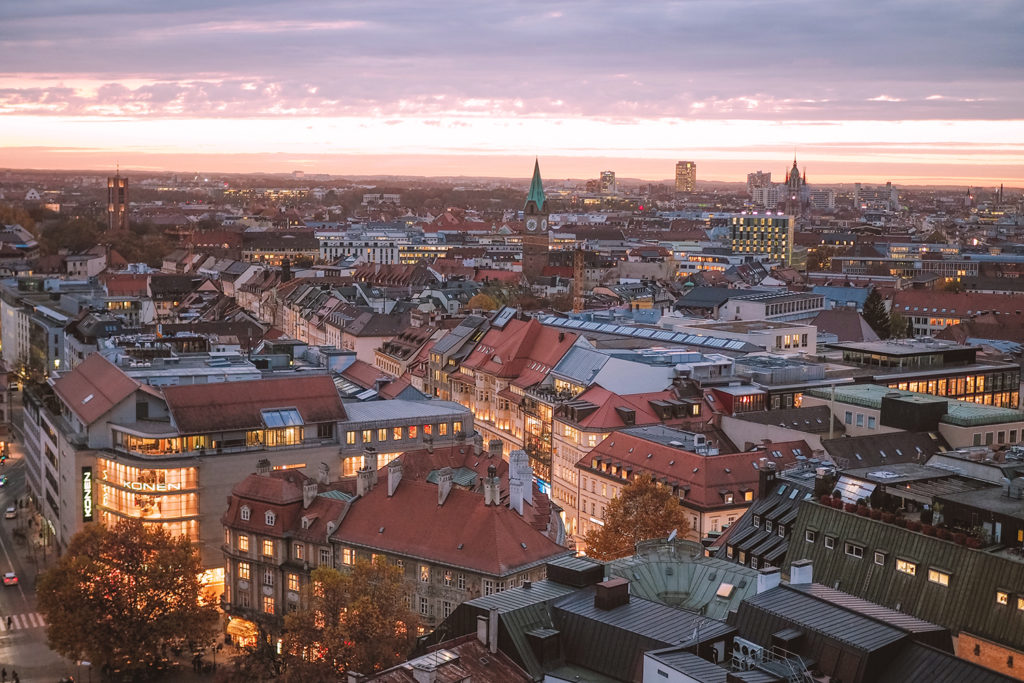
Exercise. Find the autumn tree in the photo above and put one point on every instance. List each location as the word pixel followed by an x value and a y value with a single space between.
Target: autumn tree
pixel 353 621
pixel 482 301
pixel 643 510
pixel 119 595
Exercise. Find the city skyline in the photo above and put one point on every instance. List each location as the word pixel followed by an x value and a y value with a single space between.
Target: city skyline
pixel 461 89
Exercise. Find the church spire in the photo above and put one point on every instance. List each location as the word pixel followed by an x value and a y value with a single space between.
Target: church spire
pixel 536 194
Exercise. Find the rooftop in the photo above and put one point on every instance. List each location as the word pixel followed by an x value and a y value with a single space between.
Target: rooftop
pixel 959 413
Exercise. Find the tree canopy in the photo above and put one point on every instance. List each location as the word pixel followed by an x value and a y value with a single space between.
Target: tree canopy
pixel 876 315
pixel 353 621
pixel 483 302
pixel 118 595
pixel 642 511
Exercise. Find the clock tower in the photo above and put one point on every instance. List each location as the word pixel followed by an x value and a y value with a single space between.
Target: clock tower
pixel 535 239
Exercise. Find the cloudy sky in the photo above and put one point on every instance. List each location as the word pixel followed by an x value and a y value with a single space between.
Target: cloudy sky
pixel 909 91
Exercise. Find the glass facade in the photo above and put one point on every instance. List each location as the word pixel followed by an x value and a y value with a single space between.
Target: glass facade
pixel 168 496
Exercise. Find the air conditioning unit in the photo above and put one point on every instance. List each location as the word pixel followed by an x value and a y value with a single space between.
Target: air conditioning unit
pixel 745 654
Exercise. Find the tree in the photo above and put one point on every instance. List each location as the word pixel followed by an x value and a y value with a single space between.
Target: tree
pixel 120 595
pixel 353 621
pixel 643 510
pixel 876 315
pixel 483 302
pixel 899 327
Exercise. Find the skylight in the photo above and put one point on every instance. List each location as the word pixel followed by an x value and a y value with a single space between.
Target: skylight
pixel 282 417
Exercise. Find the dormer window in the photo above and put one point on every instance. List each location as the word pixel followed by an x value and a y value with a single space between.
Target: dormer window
pixel 246 513
pixel 269 517
pixel 757 521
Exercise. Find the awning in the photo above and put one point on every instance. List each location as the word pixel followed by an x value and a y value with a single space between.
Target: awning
pixel 242 628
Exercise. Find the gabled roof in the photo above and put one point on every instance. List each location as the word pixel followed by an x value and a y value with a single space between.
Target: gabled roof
pixel 94 388
pixel 847 324
pixel 524 351
pixel 463 532
pixel 881 449
pixel 232 406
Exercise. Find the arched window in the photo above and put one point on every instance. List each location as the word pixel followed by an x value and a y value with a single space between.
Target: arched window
pixel 246 513
pixel 269 517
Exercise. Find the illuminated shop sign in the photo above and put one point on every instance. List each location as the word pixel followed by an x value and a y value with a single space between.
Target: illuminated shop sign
pixel 86 494
pixel 151 487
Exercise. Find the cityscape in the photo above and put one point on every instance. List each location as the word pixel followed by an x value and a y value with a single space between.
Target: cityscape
pixel 529 345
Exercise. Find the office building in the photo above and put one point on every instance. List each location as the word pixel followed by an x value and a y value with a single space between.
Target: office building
pixel 686 176
pixel 758 179
pixel 607 183
pixel 764 234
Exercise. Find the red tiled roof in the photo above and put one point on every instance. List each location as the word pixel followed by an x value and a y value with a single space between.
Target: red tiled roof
pixel 126 285
pixel 364 374
pixel 523 350
pixel 607 417
pixel 393 389
pixel 281 493
pixel 463 532
pixel 94 387
pixel 485 274
pixel 708 477
pixel 204 408
pixel 944 304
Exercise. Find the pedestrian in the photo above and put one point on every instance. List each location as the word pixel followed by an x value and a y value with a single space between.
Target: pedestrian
pixel 8 623
pixel 3 674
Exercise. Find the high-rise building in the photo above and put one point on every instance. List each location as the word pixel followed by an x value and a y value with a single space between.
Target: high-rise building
pixel 117 202
pixel 758 179
pixel 686 176
pixel 762 235
pixel 535 239
pixel 608 185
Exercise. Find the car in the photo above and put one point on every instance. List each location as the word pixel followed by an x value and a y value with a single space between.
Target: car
pixel 3 480
pixel 11 512
pixel 10 579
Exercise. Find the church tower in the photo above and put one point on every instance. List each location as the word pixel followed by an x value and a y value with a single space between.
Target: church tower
pixel 794 190
pixel 535 239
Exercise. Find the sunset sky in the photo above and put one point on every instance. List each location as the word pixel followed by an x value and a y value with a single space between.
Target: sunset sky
pixel 913 92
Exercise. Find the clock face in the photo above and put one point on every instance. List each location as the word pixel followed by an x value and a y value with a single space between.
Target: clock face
pixel 543 224
pixel 531 224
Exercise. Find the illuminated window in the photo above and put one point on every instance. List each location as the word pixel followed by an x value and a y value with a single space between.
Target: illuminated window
pixel 397 434
pixel 268 604
pixel 457 426
pixel 297 551
pixel 382 435
pixel 268 548
pixel 442 429
pixel 367 435
pixel 350 438
pixel 243 571
pixel 424 573
pixel 348 556
pixel 1002 598
pixel 412 431
pixel 243 543
pixel 906 567
pixel 941 578
pixel 448 577
pixel 293 582
pixel 748 496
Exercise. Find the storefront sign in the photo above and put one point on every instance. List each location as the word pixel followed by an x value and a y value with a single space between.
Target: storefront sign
pixel 152 488
pixel 86 494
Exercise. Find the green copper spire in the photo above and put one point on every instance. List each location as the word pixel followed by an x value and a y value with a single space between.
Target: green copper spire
pixel 536 194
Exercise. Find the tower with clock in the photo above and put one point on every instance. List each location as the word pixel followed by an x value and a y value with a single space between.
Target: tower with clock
pixel 535 239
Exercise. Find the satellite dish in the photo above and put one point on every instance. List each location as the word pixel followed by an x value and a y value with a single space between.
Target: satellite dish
pixel 672 536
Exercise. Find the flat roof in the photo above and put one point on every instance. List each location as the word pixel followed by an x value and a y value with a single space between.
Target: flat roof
pixel 907 347
pixel 397 409
pixel 959 413
pixel 747 326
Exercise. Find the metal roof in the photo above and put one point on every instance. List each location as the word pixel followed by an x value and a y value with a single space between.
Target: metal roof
pixel 919 663
pixel 961 413
pixel 660 336
pixel 695 668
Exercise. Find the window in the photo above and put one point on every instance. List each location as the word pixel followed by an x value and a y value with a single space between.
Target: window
pixel 860 419
pixel 325 557
pixel 809 536
pixel 782 530
pixel 488 587
pixel 906 567
pixel 462 582
pixel 396 433
pixel 728 498
pixel 767 525
pixel 1002 598
pixel 941 578
pixel 382 435
pixel 350 438
pixel 367 435
pixel 457 426
pixel 424 606
pixel 448 577
pixel 243 571
pixel 879 557
pixel 268 604
pixel 268 548
pixel 246 513
pixel 442 429
pixel 849 417
pixel 268 577
pixel 297 551
pixel 269 517
pixel 871 422
pixel 854 550
pixel 753 563
pixel 757 521
pixel 412 431
pixel 348 556
pixel 830 542
pixel 1020 604
pixel 424 573
pixel 293 582
pixel 748 496
pixel 446 609
pixel 243 599
pixel 243 543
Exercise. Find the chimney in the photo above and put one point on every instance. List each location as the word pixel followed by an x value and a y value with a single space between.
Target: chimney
pixel 286 270
pixel 515 494
pixel 492 631
pixel 611 594
pixel 801 572
pixel 765 477
pixel 309 491
pixel 444 484
pixel 492 490
pixel 364 481
pixel 494 448
pixel 478 443
pixel 482 623
pixel 424 672
pixel 767 579
pixel 428 442
pixel 262 466
pixel 394 475
pixel 370 462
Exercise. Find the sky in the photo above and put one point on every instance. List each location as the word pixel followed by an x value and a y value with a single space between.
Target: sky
pixel 912 92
